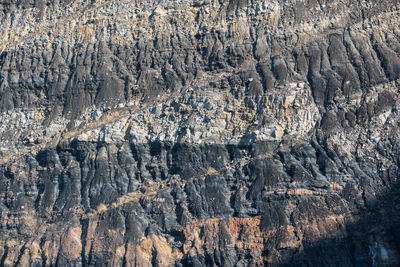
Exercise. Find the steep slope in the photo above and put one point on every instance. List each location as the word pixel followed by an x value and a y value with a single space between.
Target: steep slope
pixel 199 133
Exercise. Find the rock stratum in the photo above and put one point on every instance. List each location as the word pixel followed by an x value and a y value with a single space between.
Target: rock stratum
pixel 199 133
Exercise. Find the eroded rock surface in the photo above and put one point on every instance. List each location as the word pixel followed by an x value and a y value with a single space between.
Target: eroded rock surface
pixel 199 133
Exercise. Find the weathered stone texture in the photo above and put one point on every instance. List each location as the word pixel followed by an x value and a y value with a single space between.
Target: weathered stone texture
pixel 199 133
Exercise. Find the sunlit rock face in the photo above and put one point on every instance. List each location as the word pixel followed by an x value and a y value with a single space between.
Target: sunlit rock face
pixel 199 133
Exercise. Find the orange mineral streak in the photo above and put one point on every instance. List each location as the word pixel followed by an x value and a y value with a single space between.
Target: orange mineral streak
pixel 71 244
pixel 152 248
pixel 234 233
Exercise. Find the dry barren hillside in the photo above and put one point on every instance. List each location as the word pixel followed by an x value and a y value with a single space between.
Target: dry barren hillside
pixel 199 133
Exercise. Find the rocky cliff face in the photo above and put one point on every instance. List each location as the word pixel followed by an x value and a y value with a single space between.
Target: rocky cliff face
pixel 199 133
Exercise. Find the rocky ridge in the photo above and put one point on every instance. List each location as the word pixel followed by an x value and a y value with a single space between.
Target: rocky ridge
pixel 199 133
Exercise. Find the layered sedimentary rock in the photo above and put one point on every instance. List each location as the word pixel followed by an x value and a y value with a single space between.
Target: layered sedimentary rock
pixel 199 133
